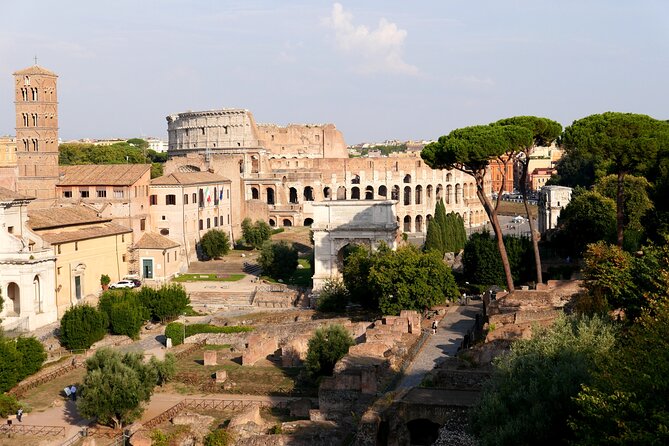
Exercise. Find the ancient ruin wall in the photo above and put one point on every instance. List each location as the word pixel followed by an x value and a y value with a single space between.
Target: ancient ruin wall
pixel 303 141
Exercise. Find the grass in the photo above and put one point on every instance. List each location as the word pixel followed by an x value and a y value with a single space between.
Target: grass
pixel 512 208
pixel 42 396
pixel 209 278
pixel 192 329
pixel 301 276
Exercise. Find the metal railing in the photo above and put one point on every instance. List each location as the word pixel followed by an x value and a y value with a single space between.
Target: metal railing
pixel 32 430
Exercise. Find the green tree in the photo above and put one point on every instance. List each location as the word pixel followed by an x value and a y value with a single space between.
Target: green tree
pixel 531 393
pixel 326 347
pixel 126 319
pixel 357 264
pixel 31 356
pixel 627 402
pixel 215 243
pixel 589 217
pixel 629 142
pixel 481 261
pixel 255 234
pixel 544 132
pixel 82 326
pixel 219 437
pixel 278 260
pixel 167 302
pixel 9 364
pixel 440 222
pixel 165 369
pixel 575 171
pixel 470 150
pixel 8 405
pixel 433 240
pixel 333 297
pixel 455 232
pixel 115 386
pixel 175 331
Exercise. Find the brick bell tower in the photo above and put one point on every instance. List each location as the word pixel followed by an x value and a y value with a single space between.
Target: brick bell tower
pixel 36 134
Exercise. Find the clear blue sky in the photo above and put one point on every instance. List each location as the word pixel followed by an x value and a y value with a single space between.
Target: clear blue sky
pixel 385 69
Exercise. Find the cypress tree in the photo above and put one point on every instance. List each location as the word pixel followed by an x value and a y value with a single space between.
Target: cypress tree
pixel 440 220
pixel 433 238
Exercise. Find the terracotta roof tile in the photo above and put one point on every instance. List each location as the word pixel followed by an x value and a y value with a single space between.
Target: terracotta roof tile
pixel 182 178
pixel 59 217
pixel 87 232
pixel 10 195
pixel 102 174
pixel 152 240
pixel 36 69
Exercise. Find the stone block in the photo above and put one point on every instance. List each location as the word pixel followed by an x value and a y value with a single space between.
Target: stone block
pixel 368 381
pixel 90 441
pixel 375 349
pixel 300 408
pixel 250 415
pixel 221 376
pixel 259 347
pixel 168 342
pixel 139 439
pixel 210 357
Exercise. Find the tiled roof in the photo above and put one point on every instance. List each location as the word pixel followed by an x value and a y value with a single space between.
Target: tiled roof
pixel 152 240
pixel 87 232
pixel 59 217
pixel 183 178
pixel 36 69
pixel 102 174
pixel 10 195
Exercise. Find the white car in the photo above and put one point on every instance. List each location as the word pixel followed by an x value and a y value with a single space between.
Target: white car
pixel 122 284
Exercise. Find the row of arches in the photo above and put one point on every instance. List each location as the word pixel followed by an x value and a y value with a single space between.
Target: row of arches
pixel 419 224
pixel 13 301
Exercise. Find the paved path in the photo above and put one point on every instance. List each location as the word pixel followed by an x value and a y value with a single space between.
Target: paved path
pixel 450 333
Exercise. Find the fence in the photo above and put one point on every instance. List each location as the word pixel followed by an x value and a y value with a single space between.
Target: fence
pixel 20 389
pixel 32 429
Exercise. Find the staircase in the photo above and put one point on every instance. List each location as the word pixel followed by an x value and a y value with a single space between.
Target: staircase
pixel 237 300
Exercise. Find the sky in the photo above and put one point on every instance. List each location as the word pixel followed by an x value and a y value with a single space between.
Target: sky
pixel 378 70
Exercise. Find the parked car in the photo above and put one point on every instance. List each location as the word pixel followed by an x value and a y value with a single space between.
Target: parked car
pixel 122 284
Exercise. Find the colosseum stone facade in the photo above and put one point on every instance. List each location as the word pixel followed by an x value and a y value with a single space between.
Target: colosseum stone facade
pixel 278 172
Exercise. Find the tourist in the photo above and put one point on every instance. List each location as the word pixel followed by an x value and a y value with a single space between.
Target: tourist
pixel 73 392
pixel 19 414
pixel 434 327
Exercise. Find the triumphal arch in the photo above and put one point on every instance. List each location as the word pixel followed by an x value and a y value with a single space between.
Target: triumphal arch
pixel 339 223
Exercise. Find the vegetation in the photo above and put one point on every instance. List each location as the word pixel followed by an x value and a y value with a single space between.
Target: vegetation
pixel 215 243
pixel 255 234
pixel 531 394
pixel 333 297
pixel 116 385
pixel 445 233
pixel 82 326
pixel 166 303
pixel 31 355
pixel 391 281
pixel 208 278
pixel 175 330
pixel 278 260
pixel 8 405
pixel 483 264
pixel 326 347
pixel 219 437
pixel 470 150
pixel 124 311
pixel 104 280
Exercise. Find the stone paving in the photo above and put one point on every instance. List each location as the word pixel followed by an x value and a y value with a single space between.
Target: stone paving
pixel 450 333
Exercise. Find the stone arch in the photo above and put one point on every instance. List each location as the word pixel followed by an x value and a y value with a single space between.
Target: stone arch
pixel 355 179
pixel 37 294
pixel 292 195
pixel 272 222
pixel 419 195
pixel 14 296
pixel 419 223
pixel 383 191
pixel 308 193
pixel 449 194
pixel 407 195
pixel 449 177
pixel 355 193
pixel 395 193
pixel 407 224
pixel 270 195
pixel 369 193
pixel 341 193
pixel 308 221
pixel 422 432
pixel 428 193
pixel 458 193
pixel 428 218
pixel 407 178
pixel 327 192
pixel 439 192
pixel 287 222
pixel 255 195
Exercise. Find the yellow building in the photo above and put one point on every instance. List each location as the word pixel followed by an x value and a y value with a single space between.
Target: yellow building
pixel 7 151
pixel 86 246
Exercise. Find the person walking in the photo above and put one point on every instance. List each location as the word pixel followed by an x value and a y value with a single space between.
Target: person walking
pixel 19 414
pixel 73 392
pixel 434 327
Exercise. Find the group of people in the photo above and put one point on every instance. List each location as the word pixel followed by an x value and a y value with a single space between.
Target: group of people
pixel 71 392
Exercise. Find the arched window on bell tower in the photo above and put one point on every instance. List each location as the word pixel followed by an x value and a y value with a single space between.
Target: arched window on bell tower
pixel 26 80
pixel 34 119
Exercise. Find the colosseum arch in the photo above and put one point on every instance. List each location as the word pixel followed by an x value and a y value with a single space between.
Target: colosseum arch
pixel 383 192
pixel 369 193
pixel 407 224
pixel 327 193
pixel 308 193
pixel 270 195
pixel 407 178
pixel 355 193
pixel 292 193
pixel 419 195
pixel 255 195
pixel 458 193
pixel 395 193
pixel 449 194
pixel 341 193
pixel 419 223
pixel 428 193
pixel 440 192
pixel 407 195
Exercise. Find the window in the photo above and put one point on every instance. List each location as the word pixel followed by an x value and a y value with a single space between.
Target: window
pixel 26 80
pixel 215 221
pixel 153 200
pixel 58 270
pixel 194 198
pixel 84 193
pixel 163 217
pixel 10 229
pixel 67 194
pixel 201 226
pixel 185 198
pixel 164 231
pixel 76 246
pixel 168 257
pixel 102 193
pixel 59 250
pixel 123 258
pixel 171 199
pixel 122 238
pixel 118 192
pixel 142 224
pixel 208 223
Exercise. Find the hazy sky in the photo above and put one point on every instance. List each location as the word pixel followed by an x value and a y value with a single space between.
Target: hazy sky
pixel 377 69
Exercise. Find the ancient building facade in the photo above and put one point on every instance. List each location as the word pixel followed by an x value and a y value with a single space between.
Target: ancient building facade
pixel 36 104
pixel 552 200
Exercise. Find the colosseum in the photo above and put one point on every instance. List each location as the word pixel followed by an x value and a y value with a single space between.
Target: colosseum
pixel 278 172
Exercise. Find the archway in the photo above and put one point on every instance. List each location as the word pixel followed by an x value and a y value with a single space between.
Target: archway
pixel 14 295
pixel 419 223
pixel 292 195
pixel 287 222
pixel 428 193
pixel 308 221
pixel 369 193
pixel 439 192
pixel 270 195
pixel 407 178
pixel 383 191
pixel 341 193
pixel 355 193
pixel 308 193
pixel 458 193
pixel 449 194
pixel 419 195
pixel 407 224
pixel 422 432
pixel 355 179
pixel 37 293
pixel 254 193
pixel 327 192
pixel 272 222
pixel 407 195
pixel 395 193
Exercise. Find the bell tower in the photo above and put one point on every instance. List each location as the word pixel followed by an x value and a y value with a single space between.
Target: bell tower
pixel 36 106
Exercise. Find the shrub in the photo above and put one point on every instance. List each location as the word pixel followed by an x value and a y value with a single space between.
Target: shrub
pixel 326 347
pixel 165 369
pixel 8 405
pixel 215 243
pixel 104 279
pixel 9 364
pixel 32 356
pixel 278 260
pixel 220 437
pixel 175 331
pixel 126 319
pixel 82 326
pixel 193 329
pixel 333 297
pixel 255 234
pixel 166 303
pixel 159 438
